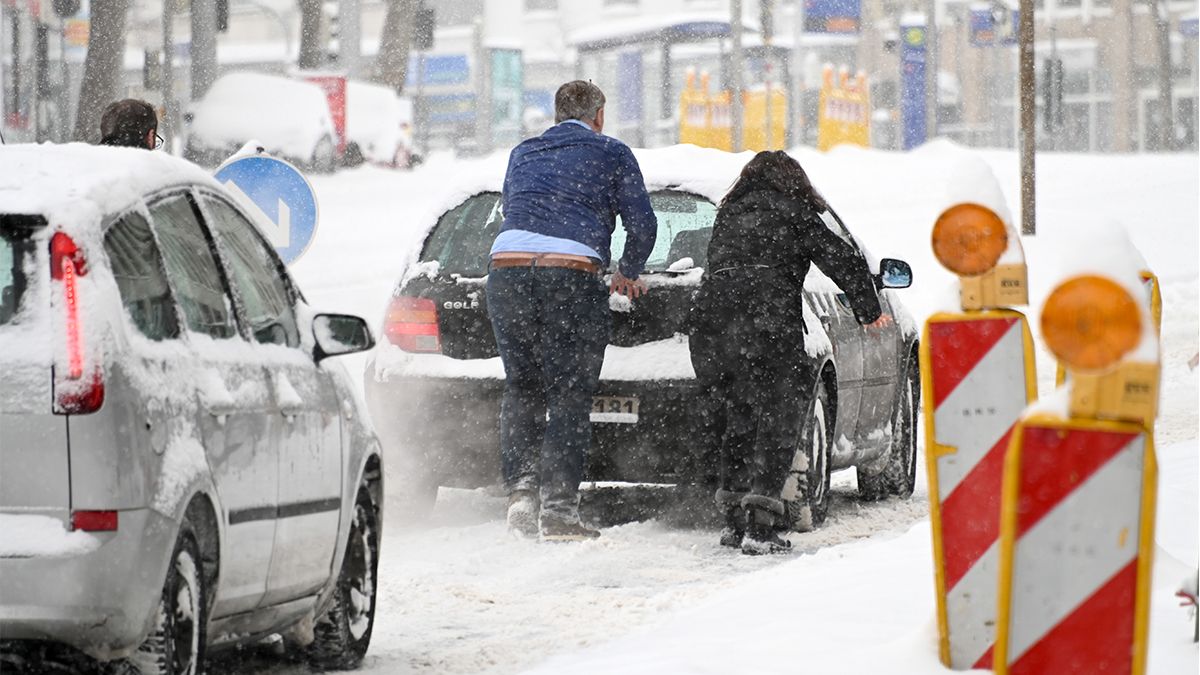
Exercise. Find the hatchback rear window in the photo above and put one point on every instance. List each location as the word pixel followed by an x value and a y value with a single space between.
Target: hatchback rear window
pixel 463 236
pixel 16 248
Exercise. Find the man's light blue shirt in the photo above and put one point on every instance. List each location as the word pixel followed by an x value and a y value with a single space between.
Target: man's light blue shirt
pixel 524 241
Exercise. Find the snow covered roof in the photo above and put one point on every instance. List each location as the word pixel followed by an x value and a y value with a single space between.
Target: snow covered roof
pixel 661 28
pixel 78 185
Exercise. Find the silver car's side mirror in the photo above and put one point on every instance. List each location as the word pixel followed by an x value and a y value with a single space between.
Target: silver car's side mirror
pixel 339 334
pixel 894 273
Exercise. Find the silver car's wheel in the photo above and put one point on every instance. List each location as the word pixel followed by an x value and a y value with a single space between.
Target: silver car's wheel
pixel 176 645
pixel 806 490
pixel 343 633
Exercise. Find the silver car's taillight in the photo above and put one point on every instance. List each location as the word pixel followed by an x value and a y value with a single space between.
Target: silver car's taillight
pixel 78 379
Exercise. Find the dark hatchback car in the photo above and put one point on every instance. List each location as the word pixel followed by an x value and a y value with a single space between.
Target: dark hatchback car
pixel 435 382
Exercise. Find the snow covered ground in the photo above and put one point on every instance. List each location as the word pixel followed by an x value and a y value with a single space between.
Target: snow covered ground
pixel 459 596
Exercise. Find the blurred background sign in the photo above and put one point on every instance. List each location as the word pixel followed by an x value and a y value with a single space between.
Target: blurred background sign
pixel 994 26
pixel 508 96
pixel 832 16
pixel 440 69
pixel 450 109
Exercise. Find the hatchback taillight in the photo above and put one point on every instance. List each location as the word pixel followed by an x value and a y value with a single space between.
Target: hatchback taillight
pixel 412 324
pixel 78 384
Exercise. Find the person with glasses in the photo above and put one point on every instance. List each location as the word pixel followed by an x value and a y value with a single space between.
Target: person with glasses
pixel 130 123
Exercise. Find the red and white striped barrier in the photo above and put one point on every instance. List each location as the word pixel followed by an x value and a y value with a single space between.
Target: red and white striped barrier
pixel 978 375
pixel 1076 546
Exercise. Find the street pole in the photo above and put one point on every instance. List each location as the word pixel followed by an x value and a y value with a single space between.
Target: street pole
pixel 1028 144
pixel 170 127
pixel 204 47
pixel 483 89
pixel 797 78
pixel 1162 29
pixel 735 79
pixel 931 69
pixel 768 31
pixel 350 41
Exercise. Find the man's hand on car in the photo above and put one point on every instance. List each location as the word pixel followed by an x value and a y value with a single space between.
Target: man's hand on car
pixel 630 288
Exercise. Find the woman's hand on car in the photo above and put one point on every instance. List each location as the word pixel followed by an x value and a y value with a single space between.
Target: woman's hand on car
pixel 630 288
pixel 883 321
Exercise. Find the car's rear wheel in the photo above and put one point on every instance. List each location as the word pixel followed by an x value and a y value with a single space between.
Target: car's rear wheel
pixel 806 489
pixel 324 157
pixel 176 645
pixel 343 632
pixel 899 475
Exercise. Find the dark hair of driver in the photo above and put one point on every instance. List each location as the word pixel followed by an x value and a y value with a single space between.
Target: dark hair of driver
pixel 127 122
pixel 779 171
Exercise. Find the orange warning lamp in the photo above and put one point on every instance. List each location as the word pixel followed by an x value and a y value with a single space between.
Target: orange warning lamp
pixel 1090 322
pixel 968 239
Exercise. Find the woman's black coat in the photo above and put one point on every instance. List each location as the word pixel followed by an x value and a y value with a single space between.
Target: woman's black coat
pixel 760 252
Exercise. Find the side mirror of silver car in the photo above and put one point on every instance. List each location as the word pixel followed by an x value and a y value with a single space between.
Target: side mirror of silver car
pixel 894 274
pixel 339 334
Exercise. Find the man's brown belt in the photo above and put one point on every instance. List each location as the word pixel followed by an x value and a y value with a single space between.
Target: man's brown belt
pixel 569 262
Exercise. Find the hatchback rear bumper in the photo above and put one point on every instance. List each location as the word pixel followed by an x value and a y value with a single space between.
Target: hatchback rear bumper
pixel 99 602
pixel 450 427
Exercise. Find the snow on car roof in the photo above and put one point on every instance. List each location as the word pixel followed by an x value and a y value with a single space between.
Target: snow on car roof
pixel 76 185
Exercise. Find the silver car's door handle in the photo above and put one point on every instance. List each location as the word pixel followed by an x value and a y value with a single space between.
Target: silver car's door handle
pixel 287 398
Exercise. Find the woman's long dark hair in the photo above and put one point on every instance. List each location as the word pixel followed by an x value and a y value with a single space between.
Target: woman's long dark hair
pixel 779 171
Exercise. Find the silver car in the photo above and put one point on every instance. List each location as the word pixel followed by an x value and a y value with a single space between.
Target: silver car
pixel 180 466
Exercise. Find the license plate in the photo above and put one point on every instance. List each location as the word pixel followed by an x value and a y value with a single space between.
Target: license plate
pixel 615 409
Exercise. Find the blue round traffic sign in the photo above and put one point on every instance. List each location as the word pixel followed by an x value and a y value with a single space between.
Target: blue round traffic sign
pixel 278 197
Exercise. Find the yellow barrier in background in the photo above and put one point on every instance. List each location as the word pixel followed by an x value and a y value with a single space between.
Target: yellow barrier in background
pixel 705 118
pixel 844 111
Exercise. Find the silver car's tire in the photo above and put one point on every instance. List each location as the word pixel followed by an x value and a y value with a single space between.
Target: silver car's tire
pixel 343 632
pixel 899 475
pixel 806 490
pixel 176 645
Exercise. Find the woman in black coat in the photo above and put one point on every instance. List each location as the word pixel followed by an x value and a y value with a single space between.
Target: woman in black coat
pixel 747 336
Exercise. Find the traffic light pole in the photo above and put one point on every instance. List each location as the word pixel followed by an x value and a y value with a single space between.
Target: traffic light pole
pixel 1028 144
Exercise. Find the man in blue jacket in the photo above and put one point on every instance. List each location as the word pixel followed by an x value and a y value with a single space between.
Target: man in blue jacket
pixel 549 304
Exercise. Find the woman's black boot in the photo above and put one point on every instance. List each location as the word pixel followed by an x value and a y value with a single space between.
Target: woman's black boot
pixel 763 516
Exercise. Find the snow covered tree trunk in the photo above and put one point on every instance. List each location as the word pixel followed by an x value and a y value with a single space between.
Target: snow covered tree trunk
pixel 391 65
pixel 310 35
pixel 102 67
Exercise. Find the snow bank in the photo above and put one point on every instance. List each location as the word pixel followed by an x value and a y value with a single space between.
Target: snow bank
pixel 34 536
pixel 868 608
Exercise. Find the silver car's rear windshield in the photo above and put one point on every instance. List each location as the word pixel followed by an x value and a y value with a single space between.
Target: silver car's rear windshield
pixel 16 250
pixel 463 236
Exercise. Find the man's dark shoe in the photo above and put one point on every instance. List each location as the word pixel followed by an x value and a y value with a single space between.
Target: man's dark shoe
pixel 523 508
pixel 557 528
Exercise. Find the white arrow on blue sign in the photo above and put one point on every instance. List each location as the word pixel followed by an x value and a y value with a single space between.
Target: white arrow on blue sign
pixel 278 197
